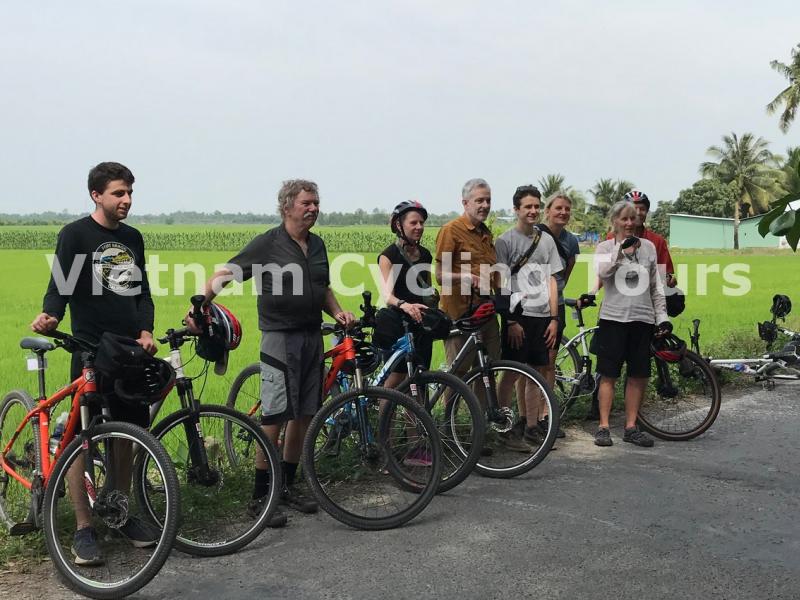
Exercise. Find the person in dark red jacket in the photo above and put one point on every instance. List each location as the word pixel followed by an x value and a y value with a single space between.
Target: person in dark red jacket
pixel 642 205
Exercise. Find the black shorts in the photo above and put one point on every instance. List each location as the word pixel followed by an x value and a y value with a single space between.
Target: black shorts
pixel 138 414
pixel 627 343
pixel 534 350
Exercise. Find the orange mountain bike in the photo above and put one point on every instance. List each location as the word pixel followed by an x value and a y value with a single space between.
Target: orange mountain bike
pixel 82 479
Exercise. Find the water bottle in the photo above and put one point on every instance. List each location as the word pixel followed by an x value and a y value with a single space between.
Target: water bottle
pixel 61 423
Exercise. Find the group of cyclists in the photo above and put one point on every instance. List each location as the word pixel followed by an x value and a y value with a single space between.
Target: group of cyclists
pixel 524 270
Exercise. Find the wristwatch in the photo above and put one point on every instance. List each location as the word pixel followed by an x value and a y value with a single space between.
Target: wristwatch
pixel 555 318
pixel 400 303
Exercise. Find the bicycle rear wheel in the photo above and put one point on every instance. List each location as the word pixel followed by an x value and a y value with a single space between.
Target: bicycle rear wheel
pixel 459 418
pixel 568 372
pixel 509 459
pixel 15 498
pixel 364 453
pixel 219 514
pixel 245 392
pixel 682 401
pixel 127 566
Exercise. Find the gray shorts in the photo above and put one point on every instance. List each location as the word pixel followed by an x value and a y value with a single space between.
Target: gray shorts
pixel 291 374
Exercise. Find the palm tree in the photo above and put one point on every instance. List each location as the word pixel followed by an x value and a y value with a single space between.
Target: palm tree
pixel 550 184
pixel 790 97
pixel 749 166
pixel 791 180
pixel 606 192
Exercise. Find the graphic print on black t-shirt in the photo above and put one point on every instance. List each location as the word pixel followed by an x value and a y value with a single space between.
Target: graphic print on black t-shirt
pixel 113 265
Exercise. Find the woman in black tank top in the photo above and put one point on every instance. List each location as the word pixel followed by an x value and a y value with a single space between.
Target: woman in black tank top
pixel 410 288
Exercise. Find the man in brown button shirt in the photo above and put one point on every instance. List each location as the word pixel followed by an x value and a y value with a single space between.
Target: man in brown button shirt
pixel 464 259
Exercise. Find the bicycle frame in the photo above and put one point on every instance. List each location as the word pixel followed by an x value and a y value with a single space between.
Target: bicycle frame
pixel 81 390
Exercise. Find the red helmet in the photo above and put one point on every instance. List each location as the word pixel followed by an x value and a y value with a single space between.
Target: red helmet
pixel 637 196
pixel 669 348
pixel 226 324
pixel 478 317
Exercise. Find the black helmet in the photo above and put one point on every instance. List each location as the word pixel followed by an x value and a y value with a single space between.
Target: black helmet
pixel 436 323
pixel 398 212
pixel 153 383
pixel 781 306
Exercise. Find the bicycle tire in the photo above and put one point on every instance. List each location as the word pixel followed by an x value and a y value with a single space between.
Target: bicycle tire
pixel 460 420
pixel 568 369
pixel 502 463
pixel 15 498
pixel 245 392
pixel 333 480
pixel 691 411
pixel 59 527
pixel 216 517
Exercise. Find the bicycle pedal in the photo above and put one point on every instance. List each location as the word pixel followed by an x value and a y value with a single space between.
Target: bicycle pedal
pixel 23 528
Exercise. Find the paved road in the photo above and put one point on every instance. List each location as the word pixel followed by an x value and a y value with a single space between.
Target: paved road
pixel 713 518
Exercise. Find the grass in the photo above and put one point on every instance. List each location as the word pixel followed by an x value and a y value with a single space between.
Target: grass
pixel 728 321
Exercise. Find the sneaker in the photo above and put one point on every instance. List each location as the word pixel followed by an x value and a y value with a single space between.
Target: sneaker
pixel 533 435
pixel 545 423
pixel 140 533
pixel 418 458
pixel 603 437
pixel 294 498
pixel 255 506
pixel 513 443
pixel 638 438
pixel 85 548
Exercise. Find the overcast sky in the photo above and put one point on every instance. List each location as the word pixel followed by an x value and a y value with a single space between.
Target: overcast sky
pixel 213 104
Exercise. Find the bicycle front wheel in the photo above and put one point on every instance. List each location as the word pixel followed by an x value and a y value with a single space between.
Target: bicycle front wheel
pixel 220 514
pixel 372 458
pixel 459 418
pixel 133 547
pixel 683 399
pixel 15 498
pixel 518 389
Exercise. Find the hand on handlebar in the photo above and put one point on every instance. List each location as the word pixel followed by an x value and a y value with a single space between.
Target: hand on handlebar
pixel 345 318
pixel 414 310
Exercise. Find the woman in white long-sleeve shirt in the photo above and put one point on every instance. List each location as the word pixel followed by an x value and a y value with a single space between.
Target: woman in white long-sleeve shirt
pixel 633 310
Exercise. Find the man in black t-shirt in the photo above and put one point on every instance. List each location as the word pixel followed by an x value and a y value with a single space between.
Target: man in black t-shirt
pixel 98 272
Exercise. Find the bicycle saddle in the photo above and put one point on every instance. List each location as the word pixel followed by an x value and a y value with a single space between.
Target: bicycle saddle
pixel 36 344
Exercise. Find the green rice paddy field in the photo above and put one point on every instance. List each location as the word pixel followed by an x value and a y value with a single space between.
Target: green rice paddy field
pixel 726 319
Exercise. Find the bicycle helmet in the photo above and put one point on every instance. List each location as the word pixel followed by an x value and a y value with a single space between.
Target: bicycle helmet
pixel 637 196
pixel 226 335
pixel 368 357
pixel 669 348
pixel 397 215
pixel 781 306
pixel 436 324
pixel 479 317
pixel 152 382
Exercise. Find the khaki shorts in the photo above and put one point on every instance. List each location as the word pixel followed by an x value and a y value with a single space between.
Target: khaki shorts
pixel 291 374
